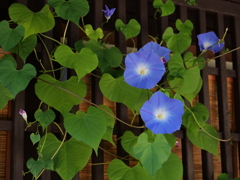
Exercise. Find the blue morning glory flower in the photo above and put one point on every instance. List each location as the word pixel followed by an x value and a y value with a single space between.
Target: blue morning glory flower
pixel 143 69
pixel 108 12
pixel 162 52
pixel 209 41
pixel 162 114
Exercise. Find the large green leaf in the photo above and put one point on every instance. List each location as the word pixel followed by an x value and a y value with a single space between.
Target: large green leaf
pixel 5 96
pixel 33 23
pixel 55 96
pixel 83 62
pixel 204 140
pixel 44 118
pixel 10 37
pixel 129 30
pixel 110 124
pixel 200 112
pixel 128 141
pixel 171 169
pixel 88 128
pixel 107 57
pixel 16 80
pixel 118 90
pixel 71 158
pixel 190 61
pixel 118 170
pixel 178 43
pixel 176 66
pixel 93 34
pixel 166 9
pixel 24 48
pixel 70 10
pixel 152 155
pixel 35 167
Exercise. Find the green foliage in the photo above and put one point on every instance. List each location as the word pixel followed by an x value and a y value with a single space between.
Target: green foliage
pixel 16 80
pixel 70 10
pixel 55 93
pixel 118 170
pixel 87 127
pixel 129 30
pixel 98 33
pixel 204 140
pixel 35 167
pixel 128 141
pixel 10 37
pixel 33 23
pixel 45 118
pixel 201 114
pixel 83 62
pixel 164 8
pixel 171 169
pixel 35 138
pixel 5 96
pixel 152 155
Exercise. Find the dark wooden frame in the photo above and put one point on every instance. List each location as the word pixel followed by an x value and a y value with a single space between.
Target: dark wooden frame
pixel 143 12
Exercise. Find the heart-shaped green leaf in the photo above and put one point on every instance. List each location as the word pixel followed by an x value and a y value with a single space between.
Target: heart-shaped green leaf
pixel 204 140
pixel 166 9
pixel 45 118
pixel 50 91
pixel 83 62
pixel 178 43
pixel 171 169
pixel 118 90
pixel 186 27
pixel 129 30
pixel 33 23
pixel 5 96
pixel 110 124
pixel 200 112
pixel 10 37
pixel 128 141
pixel 24 48
pixel 71 157
pixel 88 128
pixel 16 80
pixel 107 57
pixel 118 170
pixel 152 155
pixel 190 61
pixel 35 138
pixel 35 167
pixel 93 34
pixel 70 10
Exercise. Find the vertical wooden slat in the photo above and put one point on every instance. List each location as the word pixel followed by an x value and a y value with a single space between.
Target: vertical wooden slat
pixel 143 20
pixel 122 111
pixel 236 67
pixel 97 97
pixel 207 158
pixel 226 152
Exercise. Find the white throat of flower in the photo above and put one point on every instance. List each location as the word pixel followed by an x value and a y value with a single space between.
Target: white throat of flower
pixel 161 114
pixel 206 45
pixel 142 69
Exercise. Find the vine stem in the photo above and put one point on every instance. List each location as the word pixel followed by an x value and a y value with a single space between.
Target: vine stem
pixel 50 38
pixel 194 117
pixel 113 154
pixel 215 57
pixel 65 32
pixel 49 56
pixel 59 147
pixel 90 103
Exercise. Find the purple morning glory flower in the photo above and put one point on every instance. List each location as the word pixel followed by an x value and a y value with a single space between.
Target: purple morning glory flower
pixel 162 114
pixel 143 69
pixel 108 12
pixel 162 52
pixel 209 41
pixel 23 114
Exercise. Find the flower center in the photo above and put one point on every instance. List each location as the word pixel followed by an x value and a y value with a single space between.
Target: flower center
pixel 142 71
pixel 160 116
pixel 206 45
